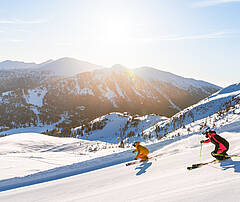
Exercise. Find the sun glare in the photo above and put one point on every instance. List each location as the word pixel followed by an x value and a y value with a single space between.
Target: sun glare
pixel 131 75
pixel 114 30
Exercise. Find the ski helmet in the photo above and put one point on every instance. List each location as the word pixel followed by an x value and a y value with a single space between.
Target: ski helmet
pixel 135 143
pixel 205 130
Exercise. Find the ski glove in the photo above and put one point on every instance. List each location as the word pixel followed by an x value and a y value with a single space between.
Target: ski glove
pixel 202 141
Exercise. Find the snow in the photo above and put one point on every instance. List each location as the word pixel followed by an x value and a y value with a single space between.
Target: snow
pixel 8 65
pixel 83 91
pixel 108 94
pixel 82 108
pixel 210 106
pixel 174 106
pixel 107 178
pixel 35 96
pixel 181 82
pixel 231 89
pixel 67 66
pixel 115 122
pixel 3 97
pixel 36 167
pixel 120 93
pixel 135 91
pixel 27 153
pixel 86 91
pixel 32 129
pixel 6 93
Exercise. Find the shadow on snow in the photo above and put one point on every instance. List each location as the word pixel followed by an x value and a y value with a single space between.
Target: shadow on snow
pixel 229 163
pixel 143 167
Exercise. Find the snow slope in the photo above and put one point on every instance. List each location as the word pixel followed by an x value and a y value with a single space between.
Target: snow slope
pixel 184 83
pixel 27 153
pixel 103 176
pixel 114 124
pixel 164 179
pixel 217 107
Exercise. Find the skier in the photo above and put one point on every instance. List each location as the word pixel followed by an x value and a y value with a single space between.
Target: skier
pixel 142 151
pixel 221 145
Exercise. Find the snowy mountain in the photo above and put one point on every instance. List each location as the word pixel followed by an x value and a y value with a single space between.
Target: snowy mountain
pixel 61 67
pixel 56 164
pixel 46 99
pixel 10 65
pixel 152 74
pixel 120 89
pixel 12 80
pixel 15 74
pixel 115 127
pixel 209 110
pixel 67 66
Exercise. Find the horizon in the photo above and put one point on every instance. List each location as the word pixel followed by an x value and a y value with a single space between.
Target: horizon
pixel 193 38
pixel 104 67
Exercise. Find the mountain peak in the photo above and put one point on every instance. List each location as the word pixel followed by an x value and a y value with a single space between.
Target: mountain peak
pixel 10 64
pixel 68 66
pixel 153 74
pixel 230 89
pixel 118 66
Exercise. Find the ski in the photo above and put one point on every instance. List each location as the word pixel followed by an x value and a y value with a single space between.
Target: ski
pixel 132 163
pixel 142 161
pixel 215 160
pixel 136 161
pixel 228 156
pixel 198 165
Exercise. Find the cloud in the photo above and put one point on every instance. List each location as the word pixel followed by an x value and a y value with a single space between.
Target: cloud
pixel 64 44
pixel 191 37
pixel 208 3
pixel 216 35
pixel 16 40
pixel 17 21
pixel 12 41
pixel 23 30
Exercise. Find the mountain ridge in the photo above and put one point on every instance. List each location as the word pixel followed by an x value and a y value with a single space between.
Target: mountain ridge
pixel 69 101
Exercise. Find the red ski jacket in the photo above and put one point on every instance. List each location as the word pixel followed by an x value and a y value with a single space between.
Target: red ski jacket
pixel 220 143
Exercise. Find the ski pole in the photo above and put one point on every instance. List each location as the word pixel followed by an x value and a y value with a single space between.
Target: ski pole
pixel 201 150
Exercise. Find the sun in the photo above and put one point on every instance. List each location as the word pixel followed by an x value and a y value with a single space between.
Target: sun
pixel 114 30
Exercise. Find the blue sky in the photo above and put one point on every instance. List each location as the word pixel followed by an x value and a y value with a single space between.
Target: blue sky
pixel 191 38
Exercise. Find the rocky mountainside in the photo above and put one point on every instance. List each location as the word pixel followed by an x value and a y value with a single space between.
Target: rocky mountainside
pixel 19 75
pixel 219 111
pixel 220 108
pixel 119 89
pixel 24 79
pixel 38 97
